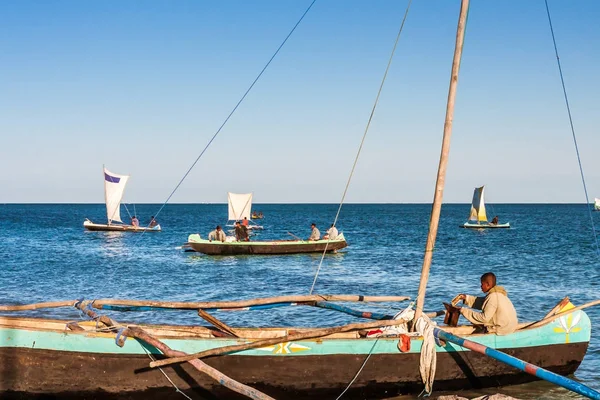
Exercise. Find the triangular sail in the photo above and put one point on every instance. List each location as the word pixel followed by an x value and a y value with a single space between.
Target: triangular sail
pixel 114 186
pixel 239 206
pixel 478 206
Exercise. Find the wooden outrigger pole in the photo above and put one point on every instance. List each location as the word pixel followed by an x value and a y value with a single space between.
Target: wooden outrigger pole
pixel 441 176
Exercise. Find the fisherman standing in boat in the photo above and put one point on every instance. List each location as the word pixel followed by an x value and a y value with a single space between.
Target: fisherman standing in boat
pixel 497 314
pixel 217 234
pixel 241 232
pixel 314 234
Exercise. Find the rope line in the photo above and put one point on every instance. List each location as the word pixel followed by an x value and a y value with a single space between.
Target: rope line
pixel 361 367
pixel 165 374
pixel 562 80
pixel 362 141
pixel 234 109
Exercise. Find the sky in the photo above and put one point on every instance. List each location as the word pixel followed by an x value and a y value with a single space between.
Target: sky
pixel 142 86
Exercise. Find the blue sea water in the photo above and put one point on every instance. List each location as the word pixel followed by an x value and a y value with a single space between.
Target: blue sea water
pixel 548 253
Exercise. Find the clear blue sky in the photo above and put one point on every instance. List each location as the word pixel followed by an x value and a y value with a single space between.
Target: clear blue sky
pixel 142 86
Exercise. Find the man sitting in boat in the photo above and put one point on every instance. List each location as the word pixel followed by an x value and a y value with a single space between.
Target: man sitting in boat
pixel 217 234
pixel 498 314
pixel 134 221
pixel 241 232
pixel 314 234
pixel 332 233
pixel 495 220
pixel 153 222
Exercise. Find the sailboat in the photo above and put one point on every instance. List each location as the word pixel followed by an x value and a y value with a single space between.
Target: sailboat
pixel 62 357
pixel 239 208
pixel 114 187
pixel 596 204
pixel 478 217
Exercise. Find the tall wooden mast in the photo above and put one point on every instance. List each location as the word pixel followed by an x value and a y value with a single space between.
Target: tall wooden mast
pixel 441 175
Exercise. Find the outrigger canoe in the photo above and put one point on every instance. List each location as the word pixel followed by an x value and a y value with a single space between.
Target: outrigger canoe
pixel 50 357
pixel 215 248
pixel 90 226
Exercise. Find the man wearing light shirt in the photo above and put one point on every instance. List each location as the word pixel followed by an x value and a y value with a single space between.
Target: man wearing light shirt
pixel 497 314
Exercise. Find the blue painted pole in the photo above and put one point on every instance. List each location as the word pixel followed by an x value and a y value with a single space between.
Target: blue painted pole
pixel 519 364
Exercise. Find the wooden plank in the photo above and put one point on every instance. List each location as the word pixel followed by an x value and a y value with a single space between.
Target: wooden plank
pixel 217 322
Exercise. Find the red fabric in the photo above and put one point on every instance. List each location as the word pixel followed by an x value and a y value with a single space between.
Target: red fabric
pixel 404 343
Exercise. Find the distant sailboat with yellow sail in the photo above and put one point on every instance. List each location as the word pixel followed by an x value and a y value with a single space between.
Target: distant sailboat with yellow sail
pixel 478 217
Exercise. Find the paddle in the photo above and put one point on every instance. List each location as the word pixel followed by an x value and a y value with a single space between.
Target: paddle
pixel 291 234
pixel 519 364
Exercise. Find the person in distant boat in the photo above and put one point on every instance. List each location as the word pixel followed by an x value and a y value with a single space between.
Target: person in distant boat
pixel 217 234
pixel 314 234
pixel 241 232
pixel 153 222
pixel 254 214
pixel 497 315
pixel 495 220
pixel 134 221
pixel 245 221
pixel 260 215
pixel 332 233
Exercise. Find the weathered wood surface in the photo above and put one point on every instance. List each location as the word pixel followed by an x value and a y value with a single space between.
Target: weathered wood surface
pixel 218 376
pixel 217 322
pixel 37 306
pixel 562 314
pixel 441 174
pixel 272 341
pixel 100 303
pixel 31 370
pixel 139 333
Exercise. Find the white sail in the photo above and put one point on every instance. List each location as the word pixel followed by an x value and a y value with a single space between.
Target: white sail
pixel 597 204
pixel 239 206
pixel 478 206
pixel 114 186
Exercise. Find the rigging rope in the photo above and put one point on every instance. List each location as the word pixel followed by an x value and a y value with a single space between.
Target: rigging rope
pixel 235 108
pixel 362 141
pixel 562 80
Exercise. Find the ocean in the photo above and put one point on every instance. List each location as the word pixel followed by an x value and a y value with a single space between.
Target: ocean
pixel 548 253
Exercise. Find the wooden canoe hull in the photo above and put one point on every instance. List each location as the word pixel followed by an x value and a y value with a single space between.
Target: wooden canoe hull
pixel 89 364
pixel 82 374
pixel 216 248
pixel 90 226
